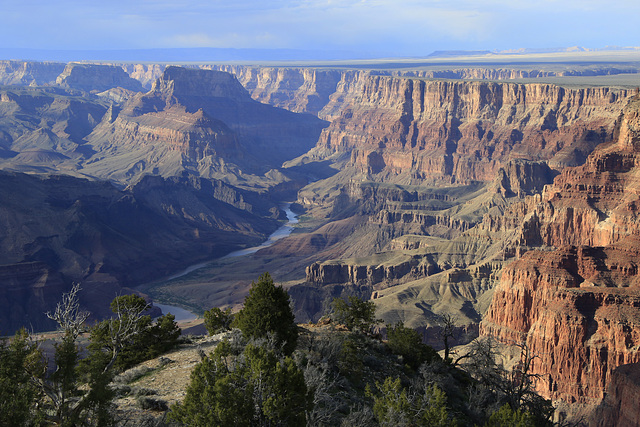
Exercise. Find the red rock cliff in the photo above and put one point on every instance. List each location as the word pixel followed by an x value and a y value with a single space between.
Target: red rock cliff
pixel 465 131
pixel 578 306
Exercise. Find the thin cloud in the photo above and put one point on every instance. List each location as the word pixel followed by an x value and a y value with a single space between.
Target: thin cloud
pixel 407 27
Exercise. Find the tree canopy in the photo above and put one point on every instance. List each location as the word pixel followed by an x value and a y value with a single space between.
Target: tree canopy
pixel 257 387
pixel 355 314
pixel 266 311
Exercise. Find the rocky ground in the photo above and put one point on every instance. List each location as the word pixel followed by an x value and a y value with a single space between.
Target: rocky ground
pixel 148 389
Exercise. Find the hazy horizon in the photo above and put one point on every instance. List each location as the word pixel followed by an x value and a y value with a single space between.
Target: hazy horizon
pixel 327 29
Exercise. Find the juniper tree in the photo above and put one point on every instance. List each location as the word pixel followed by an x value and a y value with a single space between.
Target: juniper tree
pixel 267 310
pixel 20 364
pixel 216 320
pixel 407 343
pixel 257 387
pixel 355 314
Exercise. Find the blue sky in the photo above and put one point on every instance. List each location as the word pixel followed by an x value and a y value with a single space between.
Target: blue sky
pixel 386 27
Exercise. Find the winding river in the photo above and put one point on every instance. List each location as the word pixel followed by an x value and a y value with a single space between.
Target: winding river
pixel 282 232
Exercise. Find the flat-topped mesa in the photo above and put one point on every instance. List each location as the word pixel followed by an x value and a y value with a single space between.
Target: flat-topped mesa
pixel 179 82
pixel 578 307
pixel 466 131
pixel 96 78
pixel 29 73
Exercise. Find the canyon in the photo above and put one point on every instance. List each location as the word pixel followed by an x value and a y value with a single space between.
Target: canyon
pixel 576 304
pixel 485 195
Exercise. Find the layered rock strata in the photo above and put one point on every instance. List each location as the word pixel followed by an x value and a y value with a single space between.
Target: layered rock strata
pixel 620 405
pixel 200 122
pixel 446 131
pixel 322 91
pixel 577 303
pixel 96 78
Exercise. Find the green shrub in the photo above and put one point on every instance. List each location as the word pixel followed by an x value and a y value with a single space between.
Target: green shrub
pixel 267 310
pixel 355 314
pixel 394 405
pixel 216 320
pixel 255 388
pixel 507 417
pixel 407 343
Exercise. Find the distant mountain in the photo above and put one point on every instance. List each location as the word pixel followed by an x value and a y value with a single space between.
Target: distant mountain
pixel 200 121
pixel 453 53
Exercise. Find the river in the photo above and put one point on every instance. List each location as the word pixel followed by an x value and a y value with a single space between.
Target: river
pixel 280 233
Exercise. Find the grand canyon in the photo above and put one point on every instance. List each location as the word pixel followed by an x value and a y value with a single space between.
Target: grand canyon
pixel 502 198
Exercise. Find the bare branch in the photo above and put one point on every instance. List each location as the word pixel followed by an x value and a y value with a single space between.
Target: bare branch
pixel 67 314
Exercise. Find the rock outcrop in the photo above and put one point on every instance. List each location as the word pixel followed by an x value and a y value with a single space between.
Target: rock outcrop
pixel 577 303
pixel 96 78
pixel 446 131
pixel 201 122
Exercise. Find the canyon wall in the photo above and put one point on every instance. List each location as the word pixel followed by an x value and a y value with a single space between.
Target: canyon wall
pixel 620 405
pixel 459 132
pixel 197 121
pixel 576 304
pixel 322 91
pixel 27 73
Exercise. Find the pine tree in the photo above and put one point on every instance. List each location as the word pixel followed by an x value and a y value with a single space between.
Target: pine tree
pixel 20 362
pixel 257 387
pixel 407 343
pixel 267 310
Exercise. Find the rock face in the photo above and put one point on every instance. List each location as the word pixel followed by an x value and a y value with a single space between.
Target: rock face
pixel 460 132
pixel 146 74
pixel 578 306
pixel 305 90
pixel 29 73
pixel 97 78
pixel 199 121
pixel 620 405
